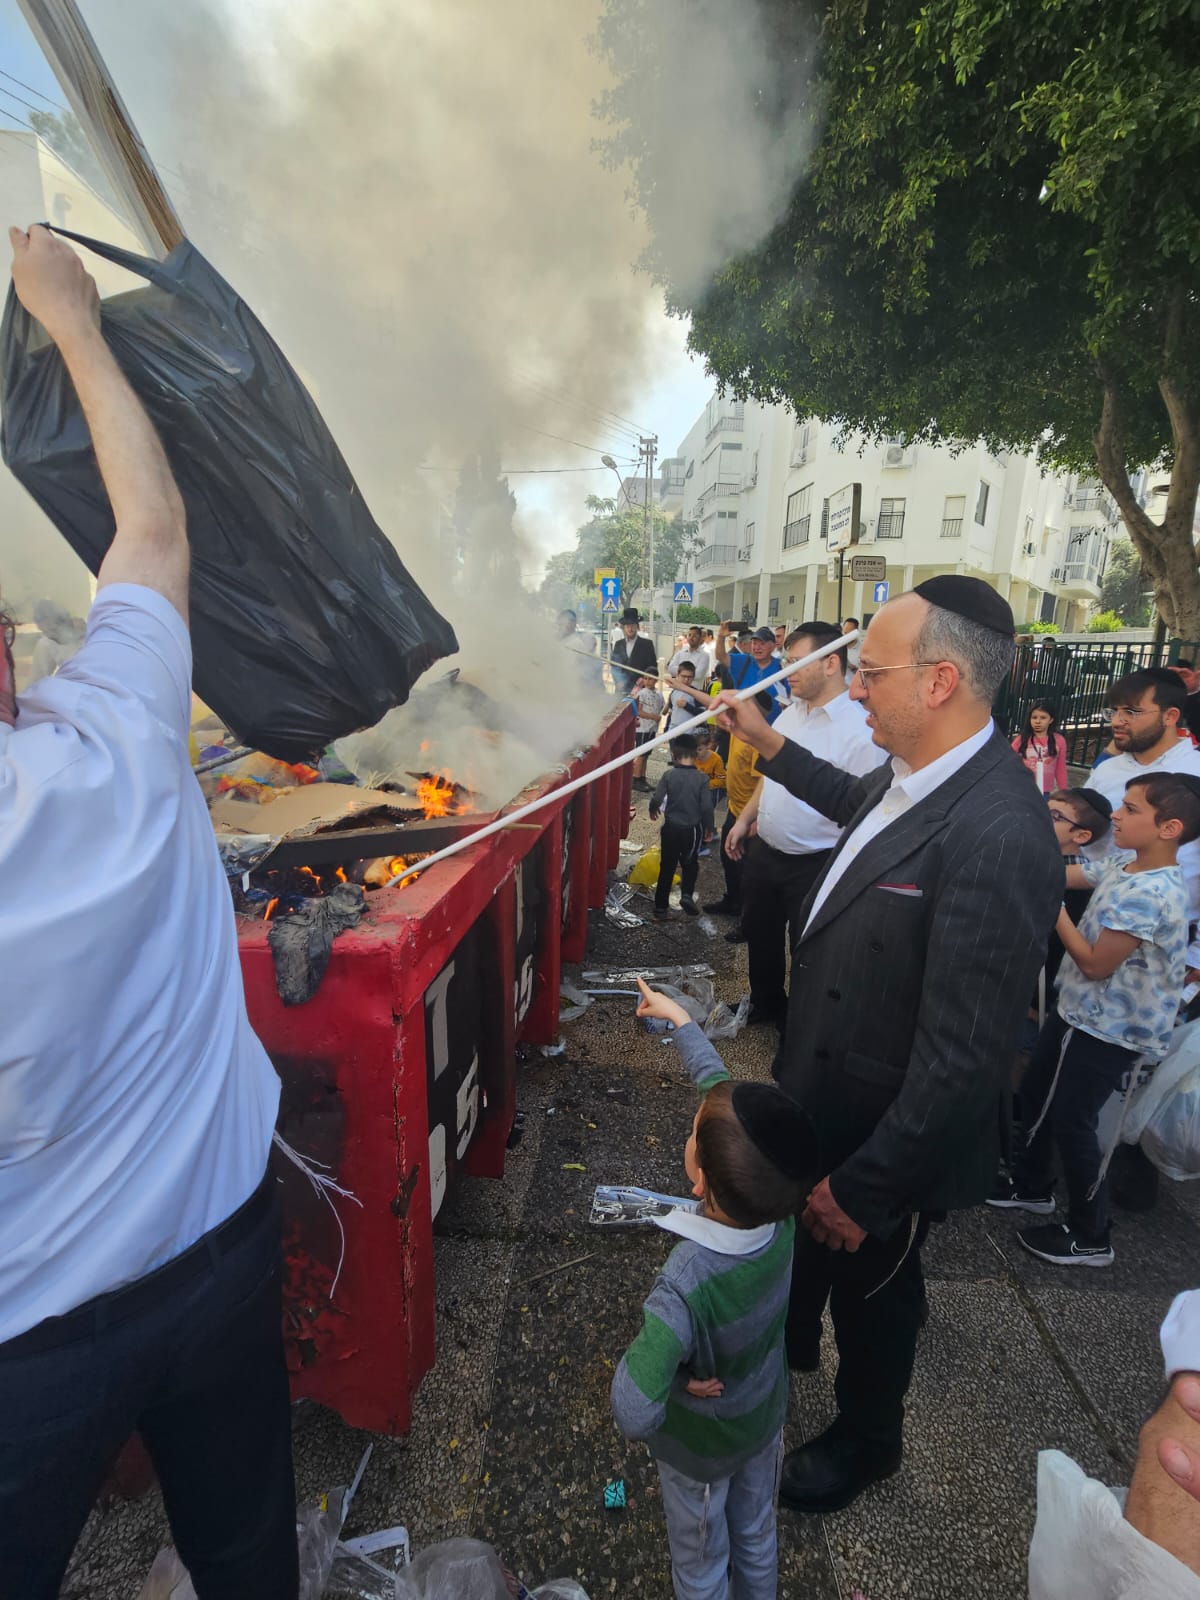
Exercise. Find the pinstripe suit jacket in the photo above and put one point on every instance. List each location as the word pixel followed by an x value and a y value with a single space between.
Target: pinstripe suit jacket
pixel 909 988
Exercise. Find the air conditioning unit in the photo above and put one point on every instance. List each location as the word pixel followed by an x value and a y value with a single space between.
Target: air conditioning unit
pixel 749 480
pixel 897 455
pixel 799 458
pixel 1031 549
pixel 744 555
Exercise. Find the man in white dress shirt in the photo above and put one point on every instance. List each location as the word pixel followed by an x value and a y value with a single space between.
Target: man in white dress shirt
pixel 785 843
pixel 139 1240
pixel 695 652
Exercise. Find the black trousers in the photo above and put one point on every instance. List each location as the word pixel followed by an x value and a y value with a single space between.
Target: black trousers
pixel 876 1298
pixel 1091 1071
pixel 732 869
pixel 680 848
pixel 192 1357
pixel 774 887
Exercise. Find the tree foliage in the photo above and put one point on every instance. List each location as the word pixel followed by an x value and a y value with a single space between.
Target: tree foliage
pixel 1105 622
pixel 618 539
pixel 701 615
pixel 1125 588
pixel 997 236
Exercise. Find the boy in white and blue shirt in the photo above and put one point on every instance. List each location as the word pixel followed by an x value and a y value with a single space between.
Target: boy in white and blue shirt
pixel 1118 995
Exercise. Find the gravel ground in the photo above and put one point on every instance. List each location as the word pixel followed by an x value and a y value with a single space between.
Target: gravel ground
pixel 512 1438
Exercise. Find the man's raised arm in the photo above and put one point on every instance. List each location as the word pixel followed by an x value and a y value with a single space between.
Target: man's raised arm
pixel 150 544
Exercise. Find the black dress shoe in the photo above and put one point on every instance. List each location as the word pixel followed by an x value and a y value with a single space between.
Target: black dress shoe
pixel 759 1014
pixel 830 1471
pixel 722 908
pixel 735 936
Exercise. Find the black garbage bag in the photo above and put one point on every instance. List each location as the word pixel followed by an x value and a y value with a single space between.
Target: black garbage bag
pixel 305 624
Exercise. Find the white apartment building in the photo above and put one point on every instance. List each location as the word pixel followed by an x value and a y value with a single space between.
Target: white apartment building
pixel 758 482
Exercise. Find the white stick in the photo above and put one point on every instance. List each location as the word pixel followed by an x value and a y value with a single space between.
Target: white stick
pixel 618 761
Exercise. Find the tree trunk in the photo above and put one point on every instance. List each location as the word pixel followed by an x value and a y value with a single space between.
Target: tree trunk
pixel 1167 549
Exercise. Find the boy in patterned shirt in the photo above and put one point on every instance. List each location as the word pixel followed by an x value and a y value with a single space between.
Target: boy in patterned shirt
pixel 1119 987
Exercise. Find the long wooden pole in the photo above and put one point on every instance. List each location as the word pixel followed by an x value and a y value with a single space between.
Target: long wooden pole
pixel 71 52
pixel 507 820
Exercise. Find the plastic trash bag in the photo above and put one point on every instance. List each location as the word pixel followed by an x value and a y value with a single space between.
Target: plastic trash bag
pixel 305 623
pixel 458 1569
pixel 646 869
pixel 572 1002
pixel 560 1589
pixel 168 1578
pixel 1082 1545
pixel 1171 1138
pixel 724 1023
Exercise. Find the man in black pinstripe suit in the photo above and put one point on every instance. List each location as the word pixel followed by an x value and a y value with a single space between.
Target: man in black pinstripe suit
pixel 920 947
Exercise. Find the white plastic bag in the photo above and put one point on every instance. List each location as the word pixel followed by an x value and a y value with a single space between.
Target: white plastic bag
pixel 1181 1061
pixel 1171 1138
pixel 560 1589
pixel 1083 1549
pixel 457 1569
pixel 168 1578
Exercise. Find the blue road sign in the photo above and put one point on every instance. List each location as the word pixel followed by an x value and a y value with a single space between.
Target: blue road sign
pixel 610 605
pixel 683 594
pixel 880 593
pixel 610 592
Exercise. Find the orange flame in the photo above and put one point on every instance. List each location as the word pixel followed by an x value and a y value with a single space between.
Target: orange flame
pixel 271 904
pixel 438 796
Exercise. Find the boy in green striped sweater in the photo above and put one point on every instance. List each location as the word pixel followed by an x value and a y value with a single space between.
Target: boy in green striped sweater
pixel 705 1382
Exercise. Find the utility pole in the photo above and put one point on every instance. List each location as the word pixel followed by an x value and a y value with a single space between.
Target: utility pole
pixel 647 450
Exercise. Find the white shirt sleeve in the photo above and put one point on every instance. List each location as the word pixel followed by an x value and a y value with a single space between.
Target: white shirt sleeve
pixel 1180 1334
pixel 137 645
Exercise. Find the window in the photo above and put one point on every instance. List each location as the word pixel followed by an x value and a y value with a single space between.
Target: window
pixel 891 520
pixel 791 599
pixel 953 512
pixel 981 503
pixel 772 608
pixel 731 447
pixel 798 519
pixel 748 536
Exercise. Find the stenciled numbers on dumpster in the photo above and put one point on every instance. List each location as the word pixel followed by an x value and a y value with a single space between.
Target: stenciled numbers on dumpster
pixel 530 916
pixel 453 1030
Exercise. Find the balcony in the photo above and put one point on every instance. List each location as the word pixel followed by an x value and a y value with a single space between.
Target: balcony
pixel 728 422
pixel 717 558
pixel 1080 573
pixel 952 527
pixel 889 525
pixel 797 532
pixel 1096 502
pixel 723 489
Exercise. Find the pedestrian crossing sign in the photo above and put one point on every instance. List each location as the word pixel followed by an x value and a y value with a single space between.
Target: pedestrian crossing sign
pixel 683 594
pixel 608 604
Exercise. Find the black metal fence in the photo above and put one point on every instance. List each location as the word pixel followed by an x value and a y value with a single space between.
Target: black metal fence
pixel 1075 679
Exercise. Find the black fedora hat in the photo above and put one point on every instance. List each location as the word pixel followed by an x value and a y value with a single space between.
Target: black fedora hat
pixel 630 614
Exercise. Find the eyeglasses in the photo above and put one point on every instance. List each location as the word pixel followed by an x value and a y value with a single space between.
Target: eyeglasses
pixel 1061 816
pixel 865 673
pixel 1125 713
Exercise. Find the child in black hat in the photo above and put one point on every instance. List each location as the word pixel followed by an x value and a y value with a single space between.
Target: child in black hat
pixel 705 1382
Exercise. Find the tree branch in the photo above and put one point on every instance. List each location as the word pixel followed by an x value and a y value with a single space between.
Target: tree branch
pixel 1114 473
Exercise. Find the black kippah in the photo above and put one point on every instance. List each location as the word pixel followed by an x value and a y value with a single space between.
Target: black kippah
pixel 777 1127
pixel 1097 801
pixel 970 598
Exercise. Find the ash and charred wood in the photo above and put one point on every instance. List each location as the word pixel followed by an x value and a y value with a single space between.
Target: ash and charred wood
pixel 359 844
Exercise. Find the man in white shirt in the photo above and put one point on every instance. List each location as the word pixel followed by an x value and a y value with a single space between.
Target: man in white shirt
pixel 785 843
pixel 1146 709
pixel 910 982
pixel 139 1242
pixel 693 651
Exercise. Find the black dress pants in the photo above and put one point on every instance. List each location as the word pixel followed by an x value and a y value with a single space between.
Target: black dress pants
pixel 192 1357
pixel 774 887
pixel 731 868
pixel 876 1298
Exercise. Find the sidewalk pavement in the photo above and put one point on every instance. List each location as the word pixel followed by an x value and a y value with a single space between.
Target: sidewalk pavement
pixel 513 1440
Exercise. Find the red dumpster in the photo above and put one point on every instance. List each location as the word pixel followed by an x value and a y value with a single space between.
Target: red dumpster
pixel 400 1072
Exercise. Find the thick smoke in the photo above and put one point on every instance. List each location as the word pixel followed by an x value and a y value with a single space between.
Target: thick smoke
pixel 411 198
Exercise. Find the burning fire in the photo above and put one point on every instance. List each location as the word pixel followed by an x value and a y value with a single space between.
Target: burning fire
pixel 440 796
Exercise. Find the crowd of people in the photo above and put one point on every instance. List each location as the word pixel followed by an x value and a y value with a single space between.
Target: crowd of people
pixel 920 896
pixel 880 831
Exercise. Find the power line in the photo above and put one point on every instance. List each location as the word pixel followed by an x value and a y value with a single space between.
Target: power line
pixel 566 394
pixel 517 472
pixel 596 449
pixel 28 104
pixel 29 87
pixel 592 415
